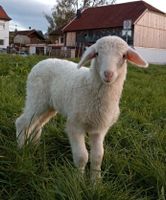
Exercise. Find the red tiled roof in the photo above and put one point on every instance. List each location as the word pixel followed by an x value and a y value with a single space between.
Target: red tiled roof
pixel 3 15
pixel 109 16
pixel 29 33
pixel 26 32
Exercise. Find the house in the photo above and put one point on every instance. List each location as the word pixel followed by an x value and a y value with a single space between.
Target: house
pixel 30 41
pixel 146 28
pixel 4 29
pixel 57 38
pixel 56 47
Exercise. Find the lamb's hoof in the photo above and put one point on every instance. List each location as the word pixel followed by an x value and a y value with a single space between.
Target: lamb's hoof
pixel 95 176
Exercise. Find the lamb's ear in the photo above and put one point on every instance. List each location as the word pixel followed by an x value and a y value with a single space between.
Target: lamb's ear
pixel 88 55
pixel 135 58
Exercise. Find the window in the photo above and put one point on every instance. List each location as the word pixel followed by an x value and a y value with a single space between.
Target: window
pixel 1 42
pixel 62 40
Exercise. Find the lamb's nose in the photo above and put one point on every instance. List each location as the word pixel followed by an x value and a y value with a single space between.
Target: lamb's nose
pixel 108 75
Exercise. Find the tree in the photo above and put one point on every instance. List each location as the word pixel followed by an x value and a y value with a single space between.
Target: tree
pixel 65 10
pixel 62 13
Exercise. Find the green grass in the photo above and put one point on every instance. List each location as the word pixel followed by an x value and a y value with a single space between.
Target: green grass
pixel 134 165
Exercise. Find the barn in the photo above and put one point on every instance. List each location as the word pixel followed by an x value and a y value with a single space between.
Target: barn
pixel 140 24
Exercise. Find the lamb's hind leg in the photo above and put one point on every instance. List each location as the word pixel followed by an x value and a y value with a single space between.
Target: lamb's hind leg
pixel 40 122
pixel 29 127
pixel 22 124
pixel 37 109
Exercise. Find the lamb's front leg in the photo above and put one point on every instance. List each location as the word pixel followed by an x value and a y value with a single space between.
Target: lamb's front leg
pixel 79 151
pixel 96 154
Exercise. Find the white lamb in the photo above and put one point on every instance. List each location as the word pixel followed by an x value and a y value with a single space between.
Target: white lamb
pixel 88 97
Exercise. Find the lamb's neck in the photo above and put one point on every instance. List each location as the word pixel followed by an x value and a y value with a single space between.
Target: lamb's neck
pixel 108 92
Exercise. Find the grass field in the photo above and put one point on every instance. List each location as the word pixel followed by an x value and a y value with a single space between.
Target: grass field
pixel 134 165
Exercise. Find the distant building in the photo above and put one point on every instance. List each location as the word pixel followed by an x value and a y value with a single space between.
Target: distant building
pixel 57 38
pixel 33 36
pixel 4 28
pixel 56 45
pixel 147 32
pixel 30 41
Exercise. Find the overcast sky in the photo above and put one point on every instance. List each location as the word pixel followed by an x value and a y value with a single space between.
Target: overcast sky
pixel 30 13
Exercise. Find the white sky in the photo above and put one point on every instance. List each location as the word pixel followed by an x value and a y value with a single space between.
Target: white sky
pixel 30 13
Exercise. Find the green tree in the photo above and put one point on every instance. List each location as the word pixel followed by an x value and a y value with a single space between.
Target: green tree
pixel 62 13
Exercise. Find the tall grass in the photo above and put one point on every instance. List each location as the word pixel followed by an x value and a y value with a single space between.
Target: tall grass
pixel 134 165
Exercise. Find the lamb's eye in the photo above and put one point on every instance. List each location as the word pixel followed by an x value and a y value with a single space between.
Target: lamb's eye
pixel 96 54
pixel 124 56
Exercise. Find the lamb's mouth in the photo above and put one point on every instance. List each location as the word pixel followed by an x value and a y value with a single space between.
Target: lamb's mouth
pixel 107 82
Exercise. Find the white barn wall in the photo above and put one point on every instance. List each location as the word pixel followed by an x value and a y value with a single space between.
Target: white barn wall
pixel 32 50
pixel 152 55
pixel 4 33
pixel 33 47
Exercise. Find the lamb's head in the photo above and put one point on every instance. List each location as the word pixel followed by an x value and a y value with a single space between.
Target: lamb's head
pixel 111 54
